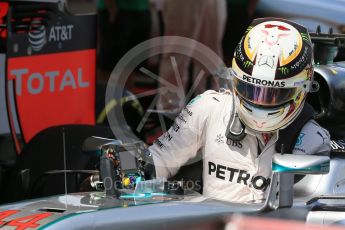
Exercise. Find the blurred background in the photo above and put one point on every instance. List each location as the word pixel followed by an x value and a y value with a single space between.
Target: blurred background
pixel 218 24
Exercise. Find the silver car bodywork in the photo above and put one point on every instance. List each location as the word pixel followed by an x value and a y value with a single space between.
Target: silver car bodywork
pixel 94 211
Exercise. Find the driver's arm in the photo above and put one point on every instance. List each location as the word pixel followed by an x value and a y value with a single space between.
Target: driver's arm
pixel 183 140
pixel 313 139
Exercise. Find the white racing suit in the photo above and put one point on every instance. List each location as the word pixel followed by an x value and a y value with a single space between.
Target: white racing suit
pixel 233 171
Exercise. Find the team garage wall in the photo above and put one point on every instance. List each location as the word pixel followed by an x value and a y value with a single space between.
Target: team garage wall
pixel 51 61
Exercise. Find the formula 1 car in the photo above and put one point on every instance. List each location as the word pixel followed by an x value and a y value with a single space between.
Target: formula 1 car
pixel 115 196
pixel 153 203
pixel 120 198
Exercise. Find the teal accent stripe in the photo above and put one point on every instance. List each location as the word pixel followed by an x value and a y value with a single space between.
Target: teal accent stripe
pixel 324 167
pixel 95 153
pixel 141 196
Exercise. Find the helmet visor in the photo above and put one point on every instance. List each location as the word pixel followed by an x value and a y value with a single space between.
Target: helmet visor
pixel 264 96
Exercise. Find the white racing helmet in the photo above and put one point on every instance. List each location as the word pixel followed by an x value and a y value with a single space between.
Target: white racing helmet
pixel 272 73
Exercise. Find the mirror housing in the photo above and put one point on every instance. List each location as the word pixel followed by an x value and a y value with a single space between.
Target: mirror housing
pixel 300 164
pixel 284 166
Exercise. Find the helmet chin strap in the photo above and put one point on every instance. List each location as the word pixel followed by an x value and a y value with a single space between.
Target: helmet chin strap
pixel 236 129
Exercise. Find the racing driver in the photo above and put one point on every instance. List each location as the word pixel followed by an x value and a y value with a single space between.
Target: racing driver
pixel 238 131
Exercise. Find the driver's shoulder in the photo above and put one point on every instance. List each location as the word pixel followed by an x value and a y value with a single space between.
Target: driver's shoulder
pixel 312 127
pixel 208 105
pixel 312 139
pixel 210 99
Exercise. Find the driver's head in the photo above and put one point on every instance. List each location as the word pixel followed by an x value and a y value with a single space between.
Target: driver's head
pixel 273 73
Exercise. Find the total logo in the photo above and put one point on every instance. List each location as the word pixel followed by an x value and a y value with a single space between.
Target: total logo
pixel 56 80
pixel 38 34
